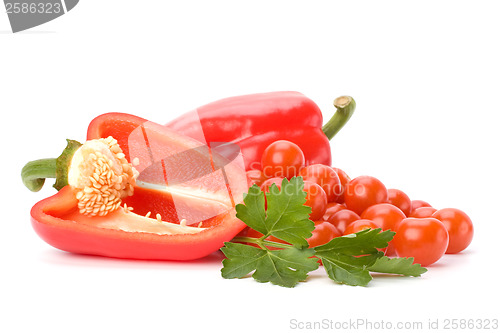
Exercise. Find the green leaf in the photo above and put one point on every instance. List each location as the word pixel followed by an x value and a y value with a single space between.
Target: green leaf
pixel 253 212
pixel 281 267
pixel 240 259
pixel 286 217
pixel 346 259
pixel 348 269
pixel 401 266
pixel 286 267
pixel 364 242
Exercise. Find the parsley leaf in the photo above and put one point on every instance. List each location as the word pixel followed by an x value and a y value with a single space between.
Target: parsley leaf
pixel 401 266
pixel 347 259
pixel 240 259
pixel 347 269
pixel 363 242
pixel 282 267
pixel 253 212
pixel 286 217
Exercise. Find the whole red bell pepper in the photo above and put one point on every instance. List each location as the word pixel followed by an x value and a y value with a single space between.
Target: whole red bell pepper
pixel 172 194
pixel 252 122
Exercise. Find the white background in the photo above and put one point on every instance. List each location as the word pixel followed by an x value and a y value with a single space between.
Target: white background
pixel 425 76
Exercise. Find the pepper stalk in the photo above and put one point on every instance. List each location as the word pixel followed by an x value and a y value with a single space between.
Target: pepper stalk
pixel 345 109
pixel 34 173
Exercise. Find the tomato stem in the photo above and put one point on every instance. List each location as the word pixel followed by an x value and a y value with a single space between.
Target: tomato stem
pixel 345 108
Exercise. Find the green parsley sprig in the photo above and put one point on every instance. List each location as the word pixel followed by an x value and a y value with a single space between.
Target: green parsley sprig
pixel 348 259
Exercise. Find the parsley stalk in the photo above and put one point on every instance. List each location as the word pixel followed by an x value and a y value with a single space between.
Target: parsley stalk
pixel 261 242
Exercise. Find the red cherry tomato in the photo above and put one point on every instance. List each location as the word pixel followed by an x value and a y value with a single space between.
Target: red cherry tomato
pixel 343 218
pixel 424 239
pixel 416 204
pixel 384 215
pixel 331 209
pixel 256 177
pixel 282 159
pixel 268 182
pixel 459 227
pixel 359 225
pixel 399 199
pixel 325 177
pixel 323 233
pixel 423 212
pixel 363 192
pixel 316 199
pixel 344 179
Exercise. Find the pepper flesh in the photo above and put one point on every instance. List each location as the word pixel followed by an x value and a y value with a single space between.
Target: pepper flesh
pixel 51 220
pixel 253 122
pixel 208 197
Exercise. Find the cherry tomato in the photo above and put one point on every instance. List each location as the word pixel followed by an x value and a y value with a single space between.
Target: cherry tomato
pixel 256 177
pixel 459 227
pixel 423 212
pixel 390 251
pixel 399 199
pixel 323 233
pixel 325 177
pixel 331 209
pixel 387 217
pixel 344 179
pixel 424 239
pixel 268 182
pixel 343 218
pixel 360 225
pixel 416 204
pixel 384 215
pixel 363 192
pixel 316 199
pixel 282 159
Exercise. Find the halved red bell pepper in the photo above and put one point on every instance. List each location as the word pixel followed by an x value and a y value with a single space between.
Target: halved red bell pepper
pixel 209 196
pixel 56 221
pixel 252 122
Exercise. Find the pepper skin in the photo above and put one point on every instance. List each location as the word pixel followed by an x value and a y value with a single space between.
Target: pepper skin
pixel 255 121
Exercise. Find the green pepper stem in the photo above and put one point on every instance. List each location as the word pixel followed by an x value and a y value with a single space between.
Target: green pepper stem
pixel 35 172
pixel 345 108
